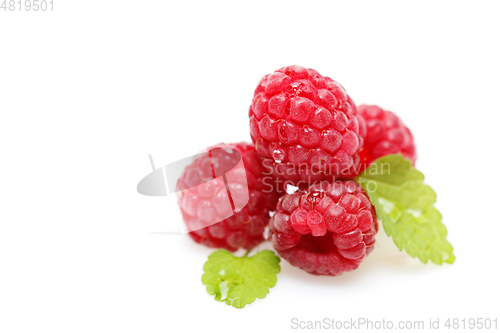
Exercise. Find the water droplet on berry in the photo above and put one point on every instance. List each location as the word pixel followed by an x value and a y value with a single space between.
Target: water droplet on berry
pixel 278 155
pixel 295 89
pixel 315 197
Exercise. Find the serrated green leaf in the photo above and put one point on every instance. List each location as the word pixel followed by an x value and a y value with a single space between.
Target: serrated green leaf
pixel 406 207
pixel 239 281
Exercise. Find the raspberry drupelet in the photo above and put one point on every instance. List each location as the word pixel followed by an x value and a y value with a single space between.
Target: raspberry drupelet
pixel 229 212
pixel 327 230
pixel 304 125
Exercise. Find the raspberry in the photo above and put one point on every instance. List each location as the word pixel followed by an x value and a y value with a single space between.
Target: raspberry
pixel 386 134
pixel 327 230
pixel 304 125
pixel 204 200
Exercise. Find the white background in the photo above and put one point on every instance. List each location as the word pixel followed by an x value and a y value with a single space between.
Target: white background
pixel 87 91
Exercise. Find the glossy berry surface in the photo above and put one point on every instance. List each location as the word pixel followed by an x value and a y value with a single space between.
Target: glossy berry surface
pixel 304 125
pixel 385 134
pixel 327 230
pixel 226 213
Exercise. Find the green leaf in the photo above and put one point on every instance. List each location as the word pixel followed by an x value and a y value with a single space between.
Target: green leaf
pixel 406 207
pixel 239 281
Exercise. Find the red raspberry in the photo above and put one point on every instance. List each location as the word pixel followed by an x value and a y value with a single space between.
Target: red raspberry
pixel 204 200
pixel 305 125
pixel 327 230
pixel 386 134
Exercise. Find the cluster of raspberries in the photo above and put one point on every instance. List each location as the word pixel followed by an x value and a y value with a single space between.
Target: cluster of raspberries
pixel 294 186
